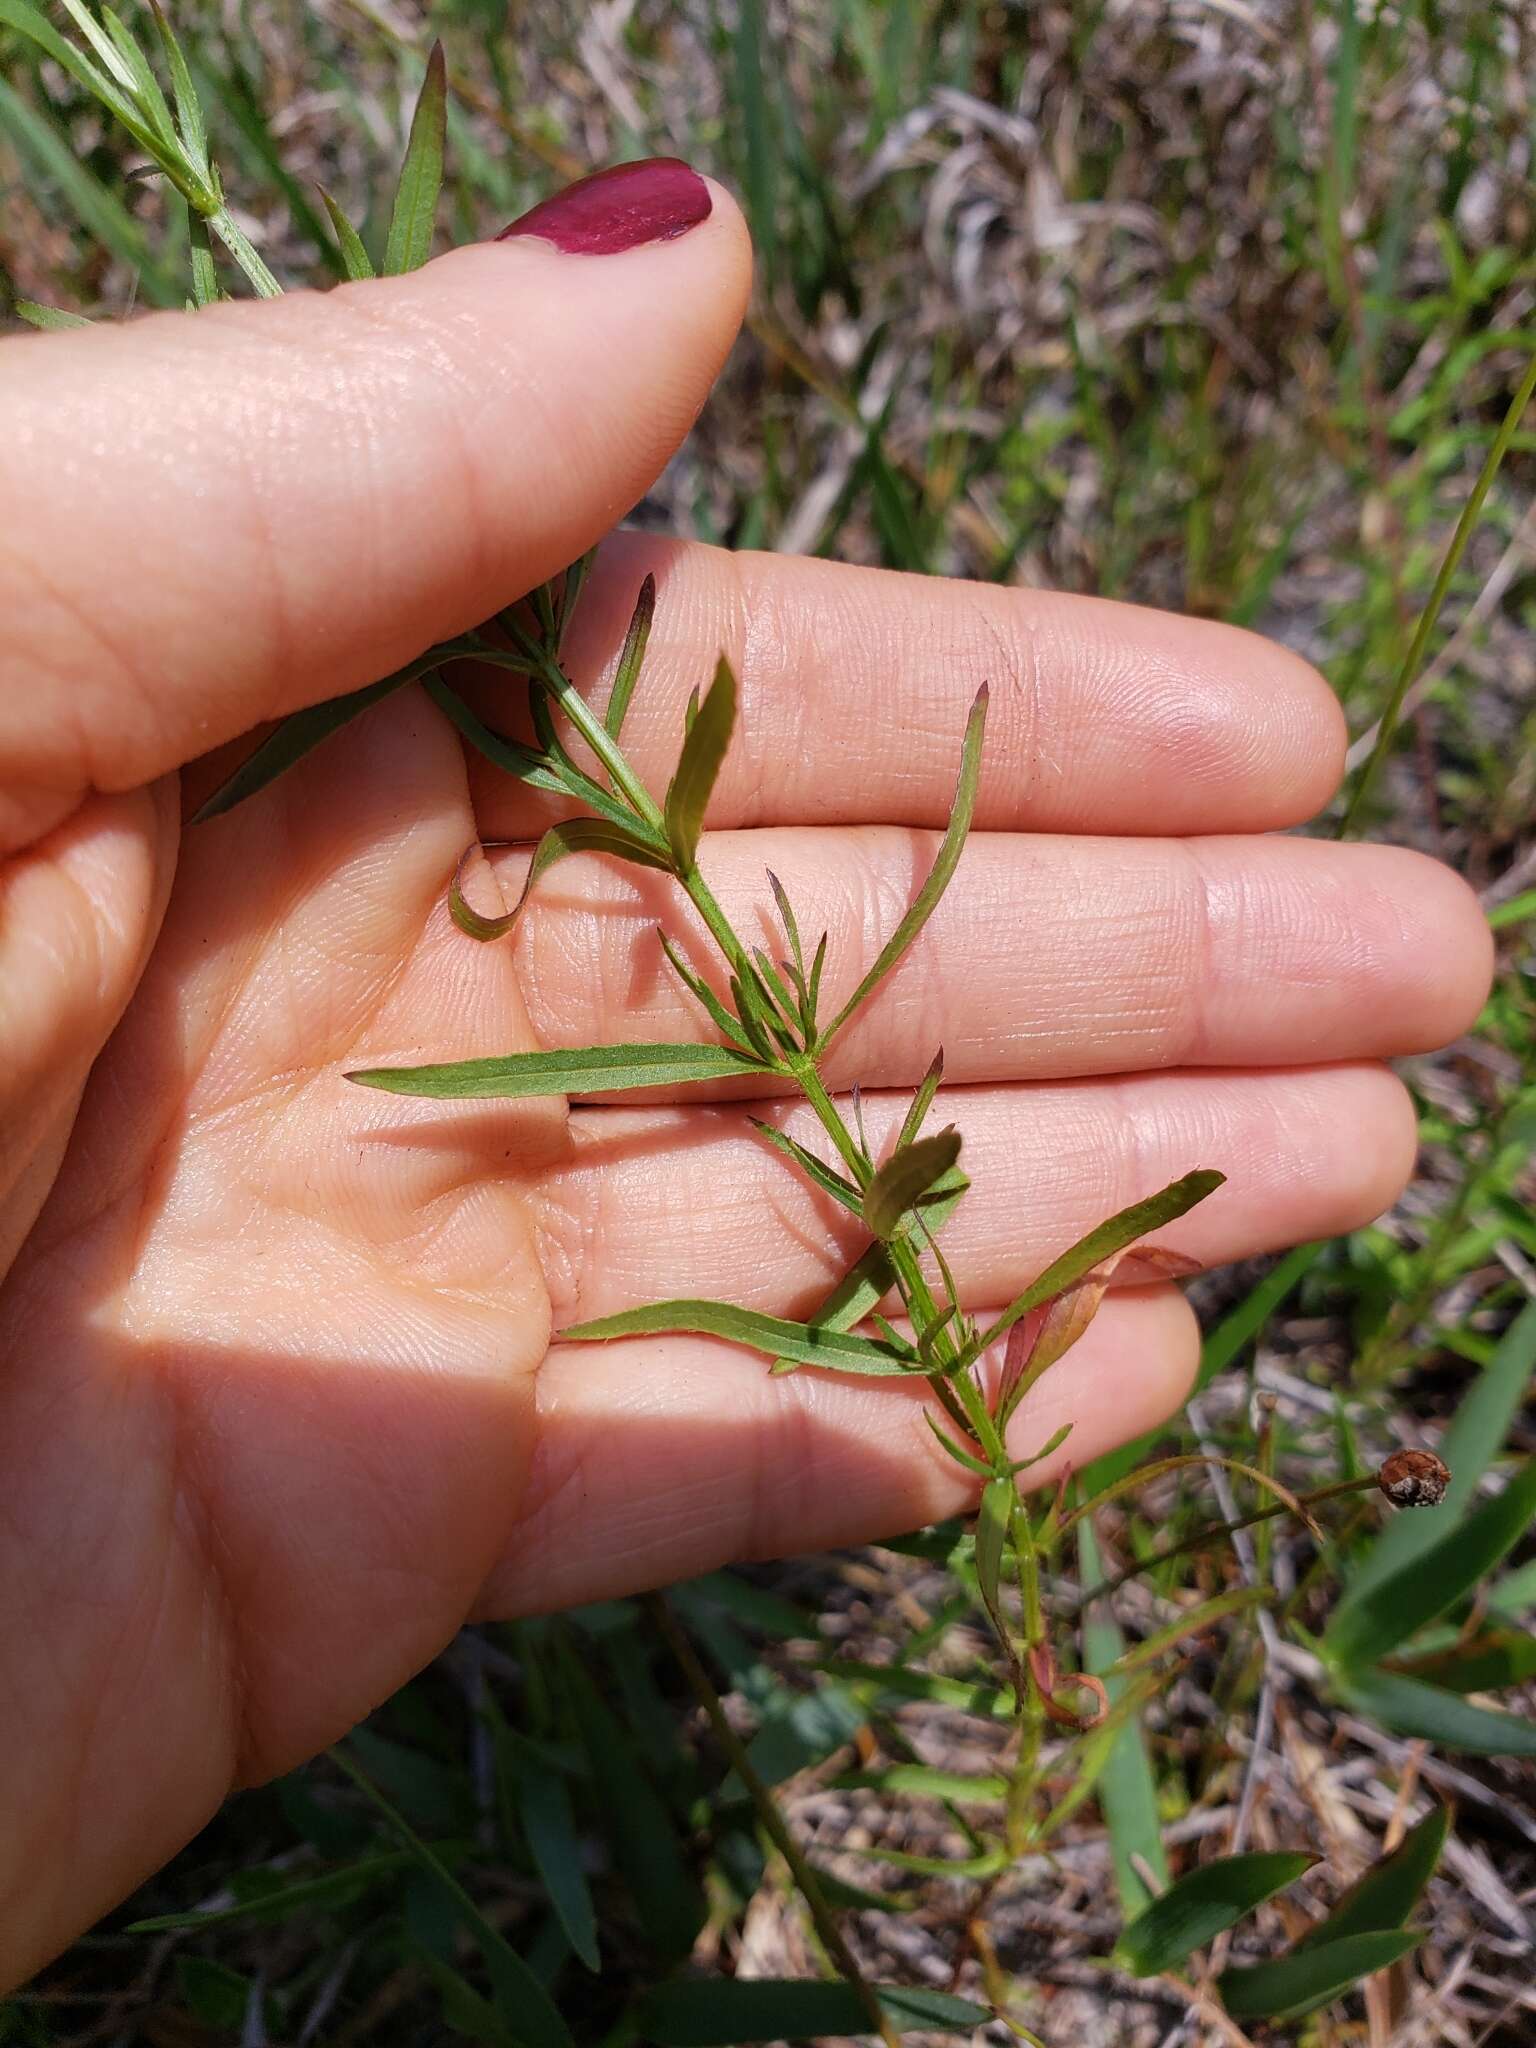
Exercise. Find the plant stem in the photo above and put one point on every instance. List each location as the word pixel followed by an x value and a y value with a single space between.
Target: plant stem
pixel 806 1880
pixel 239 245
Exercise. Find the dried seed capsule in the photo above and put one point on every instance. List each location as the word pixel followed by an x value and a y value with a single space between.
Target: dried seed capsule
pixel 1414 1479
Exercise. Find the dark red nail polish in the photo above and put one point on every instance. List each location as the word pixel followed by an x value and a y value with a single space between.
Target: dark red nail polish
pixel 652 201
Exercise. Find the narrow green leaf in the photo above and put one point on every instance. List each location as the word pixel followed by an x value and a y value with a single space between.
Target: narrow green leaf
pixel 464 2011
pixel 30 22
pixel 925 1781
pixel 641 1832
pixel 730 2012
pixel 145 87
pixel 885 1683
pixel 1303 1980
pixel 1127 1791
pixel 542 1804
pixel 813 990
pixel 1407 1706
pixel 310 1895
pixel 519 1994
pixel 1469 1446
pixel 575 835
pixel 922 1101
pixel 189 112
pixel 705 996
pixel 1388 1892
pixel 909 1174
pixel 704 750
pixel 1366 1628
pixel 825 1177
pixel 100 212
pixel 997 1499
pixel 939 875
pixel 421 174
pixel 802 1342
pixel 1195 1909
pixel 1115 1235
pixel 1491 1661
pixel 961 1456
pixel 1191 1622
pixel 872 1276
pixel 304 730
pixel 588 1070
pixel 511 756
pixel 356 261
pixel 1238 1328
pixel 49 318
pixel 631 656
pixel 791 927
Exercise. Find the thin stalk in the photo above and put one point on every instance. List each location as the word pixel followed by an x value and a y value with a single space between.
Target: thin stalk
pixel 589 725
pixel 1465 526
pixel 1291 1503
pixel 806 1880
pixel 1214 1531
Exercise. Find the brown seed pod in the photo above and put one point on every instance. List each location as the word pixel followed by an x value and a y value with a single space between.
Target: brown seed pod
pixel 1414 1479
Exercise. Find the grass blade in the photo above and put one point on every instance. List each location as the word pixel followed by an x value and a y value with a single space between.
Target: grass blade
pixel 1469 1446
pixel 1407 1706
pixel 1305 1979
pixel 631 655
pixel 805 1343
pixel 586 1070
pixel 520 1997
pixel 641 1832
pixel 939 875
pixel 1212 1898
pixel 421 174
pixel 1127 1791
pixel 698 765
pixel 541 1802
pixel 1388 1892
pixel 100 212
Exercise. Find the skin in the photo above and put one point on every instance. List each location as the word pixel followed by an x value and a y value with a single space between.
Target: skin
pixel 279 1407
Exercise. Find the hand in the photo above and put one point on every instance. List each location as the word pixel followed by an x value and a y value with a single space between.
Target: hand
pixel 278 1404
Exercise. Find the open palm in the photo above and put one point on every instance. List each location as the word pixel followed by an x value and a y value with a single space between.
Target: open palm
pixel 279 1407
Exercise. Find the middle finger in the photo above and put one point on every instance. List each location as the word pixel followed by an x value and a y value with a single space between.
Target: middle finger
pixel 1048 957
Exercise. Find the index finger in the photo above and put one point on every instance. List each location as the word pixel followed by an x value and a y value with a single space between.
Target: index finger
pixel 855 684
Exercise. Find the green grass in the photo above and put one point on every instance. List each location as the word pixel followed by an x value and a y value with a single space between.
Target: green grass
pixel 1146 304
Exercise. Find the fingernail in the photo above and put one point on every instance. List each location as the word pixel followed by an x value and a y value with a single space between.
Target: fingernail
pixel 653 201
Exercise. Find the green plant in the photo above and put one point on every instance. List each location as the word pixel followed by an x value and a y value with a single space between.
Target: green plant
pixel 768 1021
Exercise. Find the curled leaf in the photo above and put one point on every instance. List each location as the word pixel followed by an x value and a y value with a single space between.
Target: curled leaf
pixel 576 835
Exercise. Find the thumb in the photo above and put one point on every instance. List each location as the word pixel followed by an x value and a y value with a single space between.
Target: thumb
pixel 234 514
